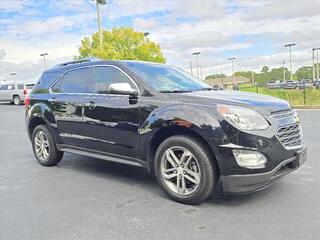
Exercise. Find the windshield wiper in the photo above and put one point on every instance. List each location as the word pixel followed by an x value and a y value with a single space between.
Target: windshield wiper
pixel 176 91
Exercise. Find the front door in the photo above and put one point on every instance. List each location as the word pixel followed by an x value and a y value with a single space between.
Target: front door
pixel 112 120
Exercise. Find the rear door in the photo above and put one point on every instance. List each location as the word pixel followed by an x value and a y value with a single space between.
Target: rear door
pixel 68 95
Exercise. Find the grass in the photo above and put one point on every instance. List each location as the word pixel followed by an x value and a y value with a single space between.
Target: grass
pixel 294 96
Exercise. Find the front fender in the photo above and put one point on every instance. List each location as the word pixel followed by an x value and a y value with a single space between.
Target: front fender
pixel 202 120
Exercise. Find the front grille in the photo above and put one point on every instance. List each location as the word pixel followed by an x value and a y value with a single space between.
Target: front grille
pixel 283 113
pixel 290 136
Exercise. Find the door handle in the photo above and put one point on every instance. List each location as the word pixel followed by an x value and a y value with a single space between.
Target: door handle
pixel 90 105
pixel 52 100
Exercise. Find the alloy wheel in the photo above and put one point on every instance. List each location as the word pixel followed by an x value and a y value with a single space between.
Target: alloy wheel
pixel 180 170
pixel 41 145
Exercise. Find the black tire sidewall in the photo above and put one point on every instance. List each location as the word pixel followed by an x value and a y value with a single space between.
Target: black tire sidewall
pixel 208 173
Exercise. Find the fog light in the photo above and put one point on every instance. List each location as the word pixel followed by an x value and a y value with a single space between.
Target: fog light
pixel 249 159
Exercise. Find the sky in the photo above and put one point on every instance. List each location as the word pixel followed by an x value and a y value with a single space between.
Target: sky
pixel 252 31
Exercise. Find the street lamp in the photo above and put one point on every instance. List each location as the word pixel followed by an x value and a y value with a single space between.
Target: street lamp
pixel 313 67
pixel 14 74
pixel 99 2
pixel 197 54
pixel 146 34
pixel 233 77
pixel 284 70
pixel 44 59
pixel 290 45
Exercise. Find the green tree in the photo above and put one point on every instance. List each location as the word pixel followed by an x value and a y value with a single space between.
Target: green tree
pixel 304 73
pixel 215 75
pixel 121 44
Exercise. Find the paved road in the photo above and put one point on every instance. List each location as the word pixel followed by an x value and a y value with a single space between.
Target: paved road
pixel 86 198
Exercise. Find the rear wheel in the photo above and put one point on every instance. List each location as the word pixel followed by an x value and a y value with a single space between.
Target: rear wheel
pixel 16 100
pixel 44 147
pixel 184 170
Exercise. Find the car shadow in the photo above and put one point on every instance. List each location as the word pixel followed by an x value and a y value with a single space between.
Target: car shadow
pixel 127 174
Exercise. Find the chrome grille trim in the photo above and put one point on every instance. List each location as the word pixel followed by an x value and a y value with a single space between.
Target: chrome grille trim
pixel 283 113
pixel 290 136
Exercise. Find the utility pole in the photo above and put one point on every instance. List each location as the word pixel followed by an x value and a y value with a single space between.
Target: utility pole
pixel 44 59
pixel 201 71
pixel 191 67
pixel 99 2
pixel 233 77
pixel 284 70
pixel 197 54
pixel 290 45
pixel 318 63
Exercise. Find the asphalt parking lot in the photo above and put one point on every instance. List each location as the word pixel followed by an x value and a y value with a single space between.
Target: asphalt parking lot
pixel 86 198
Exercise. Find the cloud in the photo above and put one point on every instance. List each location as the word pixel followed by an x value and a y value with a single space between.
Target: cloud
pixel 253 31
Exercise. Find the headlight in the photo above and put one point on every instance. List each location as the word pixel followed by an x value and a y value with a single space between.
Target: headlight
pixel 243 118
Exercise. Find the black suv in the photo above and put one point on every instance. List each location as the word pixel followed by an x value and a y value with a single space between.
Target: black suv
pixel 165 120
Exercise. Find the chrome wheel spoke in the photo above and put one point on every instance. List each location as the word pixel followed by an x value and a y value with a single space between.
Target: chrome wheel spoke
pixel 169 176
pixel 193 175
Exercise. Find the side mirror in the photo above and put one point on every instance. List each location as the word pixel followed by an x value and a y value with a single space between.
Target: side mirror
pixel 123 88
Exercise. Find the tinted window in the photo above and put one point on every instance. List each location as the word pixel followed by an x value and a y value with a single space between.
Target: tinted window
pixel 166 78
pixel 4 87
pixel 10 87
pixel 103 77
pixel 75 81
pixel 20 86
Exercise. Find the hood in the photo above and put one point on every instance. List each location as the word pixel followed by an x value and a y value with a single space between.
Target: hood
pixel 261 103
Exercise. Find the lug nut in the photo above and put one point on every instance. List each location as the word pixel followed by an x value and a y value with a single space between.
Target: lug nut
pixel 182 165
pixel 180 175
pixel 175 171
pixel 184 172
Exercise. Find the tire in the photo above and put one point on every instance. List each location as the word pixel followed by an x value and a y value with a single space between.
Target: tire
pixel 200 169
pixel 42 139
pixel 16 100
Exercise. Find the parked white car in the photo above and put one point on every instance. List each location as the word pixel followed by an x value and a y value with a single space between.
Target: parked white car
pixel 14 93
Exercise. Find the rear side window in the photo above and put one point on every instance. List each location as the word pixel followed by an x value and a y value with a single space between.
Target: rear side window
pixel 10 87
pixel 45 81
pixel 75 81
pixel 103 77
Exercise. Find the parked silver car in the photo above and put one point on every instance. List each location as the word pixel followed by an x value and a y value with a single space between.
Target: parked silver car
pixel 14 93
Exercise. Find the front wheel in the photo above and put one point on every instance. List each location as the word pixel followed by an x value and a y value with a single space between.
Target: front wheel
pixel 44 147
pixel 184 170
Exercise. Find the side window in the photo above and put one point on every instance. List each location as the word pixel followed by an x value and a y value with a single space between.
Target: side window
pixel 4 87
pixel 10 87
pixel 75 81
pixel 103 77
pixel 20 86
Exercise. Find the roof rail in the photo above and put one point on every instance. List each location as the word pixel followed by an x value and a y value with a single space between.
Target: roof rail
pixel 76 62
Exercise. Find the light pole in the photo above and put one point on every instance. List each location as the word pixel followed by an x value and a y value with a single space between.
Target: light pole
pixel 14 74
pixel 290 45
pixel 99 2
pixel 197 54
pixel 233 77
pixel 284 70
pixel 146 34
pixel 44 59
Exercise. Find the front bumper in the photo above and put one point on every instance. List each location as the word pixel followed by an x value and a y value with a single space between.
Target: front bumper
pixel 246 183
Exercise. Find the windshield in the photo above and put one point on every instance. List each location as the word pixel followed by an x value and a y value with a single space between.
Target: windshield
pixel 164 78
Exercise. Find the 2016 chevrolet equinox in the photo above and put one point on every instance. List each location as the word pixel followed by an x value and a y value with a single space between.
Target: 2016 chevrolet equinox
pixel 161 118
